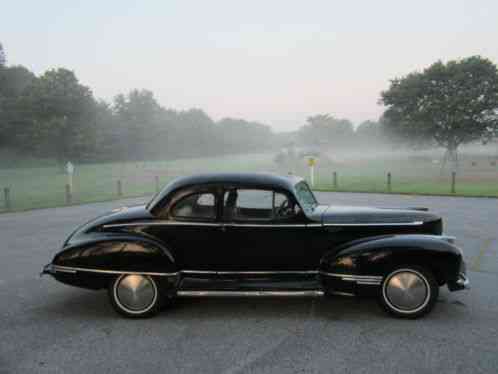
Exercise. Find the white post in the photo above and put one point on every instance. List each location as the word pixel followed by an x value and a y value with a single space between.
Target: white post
pixel 69 172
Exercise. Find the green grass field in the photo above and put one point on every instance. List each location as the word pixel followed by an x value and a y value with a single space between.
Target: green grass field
pixel 41 187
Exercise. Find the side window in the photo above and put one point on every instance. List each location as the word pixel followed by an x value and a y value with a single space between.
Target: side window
pixel 256 205
pixel 196 206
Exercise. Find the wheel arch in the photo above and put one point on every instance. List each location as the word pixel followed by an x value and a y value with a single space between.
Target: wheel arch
pixel 377 255
pixel 94 262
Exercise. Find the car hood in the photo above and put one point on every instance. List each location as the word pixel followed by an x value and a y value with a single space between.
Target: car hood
pixel 368 215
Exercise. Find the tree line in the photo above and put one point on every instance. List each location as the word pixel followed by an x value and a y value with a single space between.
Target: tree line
pixel 54 116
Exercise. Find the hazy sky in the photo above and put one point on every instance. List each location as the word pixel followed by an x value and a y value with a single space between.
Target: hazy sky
pixel 271 61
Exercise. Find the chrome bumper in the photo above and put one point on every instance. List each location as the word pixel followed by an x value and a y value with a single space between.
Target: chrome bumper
pixel 460 284
pixel 47 269
pixel 463 281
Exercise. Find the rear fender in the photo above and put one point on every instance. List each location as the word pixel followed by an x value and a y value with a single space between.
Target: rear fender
pixel 94 262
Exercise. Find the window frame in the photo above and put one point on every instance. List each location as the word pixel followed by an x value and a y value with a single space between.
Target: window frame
pixel 182 195
pixel 272 219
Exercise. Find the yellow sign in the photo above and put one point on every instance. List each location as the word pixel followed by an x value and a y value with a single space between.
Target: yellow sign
pixel 311 161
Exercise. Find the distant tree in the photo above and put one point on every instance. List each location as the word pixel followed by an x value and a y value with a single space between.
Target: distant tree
pixel 449 104
pixel 62 115
pixel 137 114
pixel 324 130
pixel 13 82
pixel 238 134
pixel 3 58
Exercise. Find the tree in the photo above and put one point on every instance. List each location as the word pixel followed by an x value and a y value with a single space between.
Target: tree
pixel 13 82
pixel 62 115
pixel 3 58
pixel 450 104
pixel 324 129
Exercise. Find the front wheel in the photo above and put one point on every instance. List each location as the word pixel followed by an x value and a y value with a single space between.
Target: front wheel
pixel 409 292
pixel 135 295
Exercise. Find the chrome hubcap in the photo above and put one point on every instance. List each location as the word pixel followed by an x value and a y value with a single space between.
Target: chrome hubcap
pixel 136 292
pixel 407 290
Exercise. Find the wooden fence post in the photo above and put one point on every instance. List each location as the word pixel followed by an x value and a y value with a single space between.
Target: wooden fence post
pixel 389 182
pixel 6 192
pixel 453 181
pixel 69 194
pixel 156 178
pixel 120 188
pixel 334 175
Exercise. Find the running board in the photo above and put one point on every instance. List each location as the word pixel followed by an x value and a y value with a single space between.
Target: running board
pixel 314 293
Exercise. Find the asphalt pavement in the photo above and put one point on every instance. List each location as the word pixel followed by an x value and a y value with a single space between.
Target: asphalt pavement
pixel 47 327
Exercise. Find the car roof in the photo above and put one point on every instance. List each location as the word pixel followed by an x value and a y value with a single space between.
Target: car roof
pixel 260 180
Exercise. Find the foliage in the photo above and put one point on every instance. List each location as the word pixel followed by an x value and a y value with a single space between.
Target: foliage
pixel 449 104
pixel 3 58
pixel 323 129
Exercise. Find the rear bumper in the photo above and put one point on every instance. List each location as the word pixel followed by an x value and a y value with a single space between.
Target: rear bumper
pixel 461 283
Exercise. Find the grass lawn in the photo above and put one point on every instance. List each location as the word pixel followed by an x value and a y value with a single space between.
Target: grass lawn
pixel 41 187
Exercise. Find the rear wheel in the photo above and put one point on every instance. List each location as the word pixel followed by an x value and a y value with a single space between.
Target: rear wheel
pixel 409 292
pixel 135 295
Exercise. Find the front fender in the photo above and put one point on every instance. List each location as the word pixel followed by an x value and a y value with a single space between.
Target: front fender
pixel 376 256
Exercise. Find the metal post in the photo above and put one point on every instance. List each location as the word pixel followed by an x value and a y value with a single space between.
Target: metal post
pixel 6 192
pixel 334 175
pixel 156 178
pixel 453 181
pixel 120 188
pixel 389 182
pixel 69 194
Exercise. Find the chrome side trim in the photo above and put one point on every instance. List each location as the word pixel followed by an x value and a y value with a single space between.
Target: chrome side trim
pixel 219 224
pixel 314 293
pixel 208 272
pixel 414 223
pixel 340 293
pixel 372 280
pixel 163 223
pixel 268 272
pixel 284 225
pixel 68 269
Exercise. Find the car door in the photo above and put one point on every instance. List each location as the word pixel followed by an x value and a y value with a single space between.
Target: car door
pixel 191 227
pixel 264 231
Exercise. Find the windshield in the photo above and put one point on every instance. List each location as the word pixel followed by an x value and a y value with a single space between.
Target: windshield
pixel 305 196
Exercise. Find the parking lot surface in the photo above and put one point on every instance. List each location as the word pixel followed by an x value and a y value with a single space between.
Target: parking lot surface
pixel 47 327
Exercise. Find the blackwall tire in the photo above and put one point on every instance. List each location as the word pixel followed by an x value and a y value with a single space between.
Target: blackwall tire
pixel 135 295
pixel 409 292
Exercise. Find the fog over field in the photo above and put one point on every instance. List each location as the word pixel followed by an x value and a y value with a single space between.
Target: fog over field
pixel 196 87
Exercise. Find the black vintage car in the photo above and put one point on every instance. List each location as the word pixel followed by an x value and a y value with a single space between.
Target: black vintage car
pixel 259 235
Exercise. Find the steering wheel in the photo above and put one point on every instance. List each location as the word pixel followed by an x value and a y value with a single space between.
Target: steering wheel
pixel 284 208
